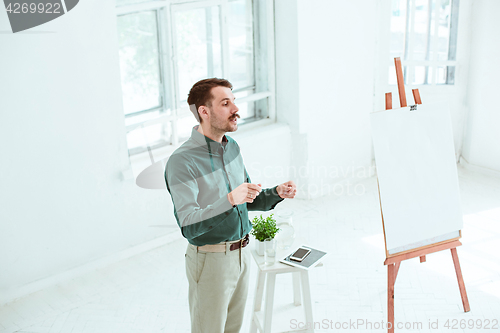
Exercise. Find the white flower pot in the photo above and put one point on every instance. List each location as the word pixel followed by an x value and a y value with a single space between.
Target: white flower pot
pixel 260 246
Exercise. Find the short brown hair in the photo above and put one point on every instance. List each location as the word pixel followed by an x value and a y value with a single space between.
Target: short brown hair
pixel 200 94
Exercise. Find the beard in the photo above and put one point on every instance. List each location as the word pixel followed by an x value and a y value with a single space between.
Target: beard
pixel 224 125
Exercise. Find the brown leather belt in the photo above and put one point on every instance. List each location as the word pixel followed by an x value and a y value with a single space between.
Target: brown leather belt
pixel 242 243
pixel 221 247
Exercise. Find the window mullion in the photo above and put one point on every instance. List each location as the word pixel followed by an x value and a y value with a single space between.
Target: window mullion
pixel 175 74
pixel 209 38
pixel 407 29
pixel 257 46
pixel 140 7
pixel 428 46
pixel 224 39
pixel 452 43
pixel 411 68
pixel 268 16
pixel 168 71
pixel 161 65
pixel 190 5
pixel 435 43
pixel 255 97
pixel 131 115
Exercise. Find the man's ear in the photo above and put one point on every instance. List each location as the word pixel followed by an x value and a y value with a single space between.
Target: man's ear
pixel 203 112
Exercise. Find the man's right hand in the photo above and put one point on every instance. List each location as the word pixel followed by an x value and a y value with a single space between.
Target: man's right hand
pixel 246 192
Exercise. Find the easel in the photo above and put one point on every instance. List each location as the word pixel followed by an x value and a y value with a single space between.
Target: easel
pixel 394 261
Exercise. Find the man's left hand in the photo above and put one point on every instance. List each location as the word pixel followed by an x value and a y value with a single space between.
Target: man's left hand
pixel 287 190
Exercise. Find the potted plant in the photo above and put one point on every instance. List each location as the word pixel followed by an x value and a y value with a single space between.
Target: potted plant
pixel 263 228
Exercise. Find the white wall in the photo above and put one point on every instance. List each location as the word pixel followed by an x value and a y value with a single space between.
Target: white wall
pixel 325 53
pixel 63 149
pixel 266 151
pixel 482 134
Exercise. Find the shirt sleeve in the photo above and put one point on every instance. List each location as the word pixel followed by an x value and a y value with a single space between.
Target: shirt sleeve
pixel 266 200
pixel 183 185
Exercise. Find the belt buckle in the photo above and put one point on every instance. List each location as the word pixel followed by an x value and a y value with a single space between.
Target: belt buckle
pixel 246 238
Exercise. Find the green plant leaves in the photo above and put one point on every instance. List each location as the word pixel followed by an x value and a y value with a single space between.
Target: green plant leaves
pixel 264 228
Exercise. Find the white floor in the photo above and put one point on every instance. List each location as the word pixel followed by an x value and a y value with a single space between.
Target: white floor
pixel 148 293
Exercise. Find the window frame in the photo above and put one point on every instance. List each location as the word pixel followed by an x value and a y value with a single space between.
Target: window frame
pixel 409 63
pixel 264 66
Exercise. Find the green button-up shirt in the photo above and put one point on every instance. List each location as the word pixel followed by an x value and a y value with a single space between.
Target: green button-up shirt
pixel 199 175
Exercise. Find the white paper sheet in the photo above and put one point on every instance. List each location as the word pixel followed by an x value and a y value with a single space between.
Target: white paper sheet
pixel 417 174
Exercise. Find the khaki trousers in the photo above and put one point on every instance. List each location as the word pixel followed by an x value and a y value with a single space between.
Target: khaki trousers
pixel 218 289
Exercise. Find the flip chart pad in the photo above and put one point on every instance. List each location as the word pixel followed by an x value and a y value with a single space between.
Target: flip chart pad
pixel 417 175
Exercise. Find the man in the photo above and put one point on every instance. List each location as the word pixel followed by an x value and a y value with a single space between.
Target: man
pixel 212 194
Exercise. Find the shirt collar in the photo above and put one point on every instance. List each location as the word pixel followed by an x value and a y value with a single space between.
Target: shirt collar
pixel 203 140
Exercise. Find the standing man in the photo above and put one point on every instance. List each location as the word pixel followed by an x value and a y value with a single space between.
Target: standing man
pixel 212 194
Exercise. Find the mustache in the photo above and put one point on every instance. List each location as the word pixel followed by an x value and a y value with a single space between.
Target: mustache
pixel 235 116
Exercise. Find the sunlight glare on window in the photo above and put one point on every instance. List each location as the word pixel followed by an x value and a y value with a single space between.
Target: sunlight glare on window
pixel 422 30
pixel 444 29
pixel 241 51
pixel 398 28
pixel 424 35
pixel 140 71
pixel 198 47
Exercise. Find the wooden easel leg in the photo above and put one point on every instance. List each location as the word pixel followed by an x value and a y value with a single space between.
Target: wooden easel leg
pixel 388 101
pixel 416 96
pixel 396 270
pixel 390 297
pixel 401 82
pixel 461 285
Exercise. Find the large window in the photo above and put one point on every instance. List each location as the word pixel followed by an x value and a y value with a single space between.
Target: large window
pixel 167 46
pixel 424 35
